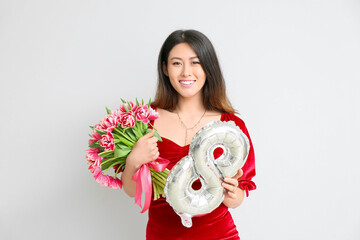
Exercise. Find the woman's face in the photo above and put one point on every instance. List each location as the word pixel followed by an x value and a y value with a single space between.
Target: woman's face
pixel 185 71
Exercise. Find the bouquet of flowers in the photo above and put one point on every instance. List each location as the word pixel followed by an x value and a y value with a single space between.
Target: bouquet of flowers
pixel 112 140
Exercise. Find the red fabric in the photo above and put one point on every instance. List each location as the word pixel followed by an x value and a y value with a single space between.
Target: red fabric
pixel 164 223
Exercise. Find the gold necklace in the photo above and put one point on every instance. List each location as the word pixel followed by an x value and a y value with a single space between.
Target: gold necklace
pixel 186 128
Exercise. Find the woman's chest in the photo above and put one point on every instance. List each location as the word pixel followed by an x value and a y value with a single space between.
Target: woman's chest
pixel 171 127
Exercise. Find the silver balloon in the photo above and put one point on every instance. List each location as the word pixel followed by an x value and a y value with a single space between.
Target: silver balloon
pixel 201 164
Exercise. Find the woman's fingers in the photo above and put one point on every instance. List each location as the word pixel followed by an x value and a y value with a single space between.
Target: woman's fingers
pixel 153 140
pixel 232 194
pixel 229 187
pixel 150 134
pixel 238 174
pixel 231 181
pixel 154 151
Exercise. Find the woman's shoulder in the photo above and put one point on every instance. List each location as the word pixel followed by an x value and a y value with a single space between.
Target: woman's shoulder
pixel 157 109
pixel 162 112
pixel 232 117
pixel 165 116
pixel 237 120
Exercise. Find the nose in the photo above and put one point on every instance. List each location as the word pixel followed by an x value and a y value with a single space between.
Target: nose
pixel 186 70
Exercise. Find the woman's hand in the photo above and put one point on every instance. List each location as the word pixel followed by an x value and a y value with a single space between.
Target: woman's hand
pixel 145 150
pixel 233 194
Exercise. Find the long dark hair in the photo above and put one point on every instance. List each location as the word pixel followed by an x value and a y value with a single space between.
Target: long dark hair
pixel 214 90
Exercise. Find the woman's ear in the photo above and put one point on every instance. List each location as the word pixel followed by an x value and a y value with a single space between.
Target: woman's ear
pixel 165 69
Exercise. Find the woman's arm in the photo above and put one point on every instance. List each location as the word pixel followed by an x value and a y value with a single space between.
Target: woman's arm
pixel 145 150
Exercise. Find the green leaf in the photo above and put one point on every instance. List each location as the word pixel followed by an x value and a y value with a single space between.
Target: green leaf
pixel 126 142
pixel 95 144
pixel 123 146
pixel 137 102
pixel 123 135
pixel 108 110
pixel 123 100
pixel 118 152
pixel 106 154
pixel 144 126
pixel 109 161
pixel 101 132
pixel 149 102
pixel 137 133
pixel 158 136
pixel 119 162
pixel 92 127
pixel 106 165
pixel 138 126
pixel 116 134
pixel 130 133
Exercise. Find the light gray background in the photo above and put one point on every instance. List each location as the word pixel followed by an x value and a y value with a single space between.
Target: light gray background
pixel 292 70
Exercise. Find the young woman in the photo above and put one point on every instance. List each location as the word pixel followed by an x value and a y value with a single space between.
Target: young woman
pixel 190 94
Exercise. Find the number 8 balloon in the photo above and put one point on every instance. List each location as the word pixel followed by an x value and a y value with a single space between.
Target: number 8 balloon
pixel 201 164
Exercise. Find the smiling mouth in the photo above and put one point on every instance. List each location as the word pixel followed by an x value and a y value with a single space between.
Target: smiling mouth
pixel 187 82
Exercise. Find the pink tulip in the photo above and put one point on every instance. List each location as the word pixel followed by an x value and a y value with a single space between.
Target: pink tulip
pixel 108 123
pixel 123 105
pixel 101 178
pixel 142 113
pixel 93 156
pixel 97 171
pixel 153 114
pixel 92 169
pixel 99 126
pixel 115 183
pixel 95 136
pixel 127 120
pixel 107 141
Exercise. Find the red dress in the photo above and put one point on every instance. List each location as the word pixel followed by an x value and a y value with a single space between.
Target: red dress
pixel 165 224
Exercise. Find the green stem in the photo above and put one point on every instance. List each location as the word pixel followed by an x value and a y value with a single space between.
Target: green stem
pixel 110 167
pixel 165 173
pixel 108 160
pixel 120 166
pixel 153 126
pixel 159 192
pixel 158 182
pixel 161 176
pixel 155 191
pixel 158 177
pixel 138 127
pixel 124 135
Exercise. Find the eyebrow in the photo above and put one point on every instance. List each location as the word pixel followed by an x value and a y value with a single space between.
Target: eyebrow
pixel 181 58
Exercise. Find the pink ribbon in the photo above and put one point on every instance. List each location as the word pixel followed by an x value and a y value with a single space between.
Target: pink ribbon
pixel 143 181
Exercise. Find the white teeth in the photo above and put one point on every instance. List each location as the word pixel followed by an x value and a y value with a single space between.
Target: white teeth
pixel 187 82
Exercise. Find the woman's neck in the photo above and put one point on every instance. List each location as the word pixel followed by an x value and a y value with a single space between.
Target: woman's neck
pixel 190 105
